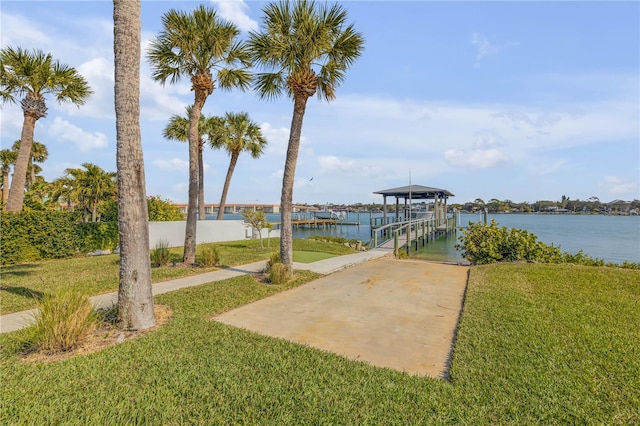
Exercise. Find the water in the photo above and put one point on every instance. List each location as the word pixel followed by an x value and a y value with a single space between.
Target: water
pixel 612 238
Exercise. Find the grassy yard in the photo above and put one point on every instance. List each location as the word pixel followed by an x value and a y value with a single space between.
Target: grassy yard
pixel 21 285
pixel 537 344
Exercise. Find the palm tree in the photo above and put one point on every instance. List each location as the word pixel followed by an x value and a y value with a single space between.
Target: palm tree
pixel 97 186
pixel 39 154
pixel 135 299
pixel 7 158
pixel 34 74
pixel 63 189
pixel 178 129
pixel 238 134
pixel 192 45
pixel 306 49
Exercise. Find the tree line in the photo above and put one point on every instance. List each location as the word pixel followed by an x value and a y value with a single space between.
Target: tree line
pixel 302 49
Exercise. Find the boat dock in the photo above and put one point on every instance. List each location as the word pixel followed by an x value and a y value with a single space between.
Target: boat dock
pixel 409 235
pixel 313 223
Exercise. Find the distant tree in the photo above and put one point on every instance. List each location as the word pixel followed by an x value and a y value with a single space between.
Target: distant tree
pixel 37 197
pixel 238 134
pixel 305 49
pixel 39 154
pixel 7 158
pixel 191 45
pixel 178 129
pixel 34 74
pixel 257 220
pixel 89 187
pixel 161 210
pixel 135 297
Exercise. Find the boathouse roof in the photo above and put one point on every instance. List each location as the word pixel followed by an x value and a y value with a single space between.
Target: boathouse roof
pixel 416 192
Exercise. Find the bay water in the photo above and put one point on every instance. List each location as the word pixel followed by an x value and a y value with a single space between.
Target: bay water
pixel 611 238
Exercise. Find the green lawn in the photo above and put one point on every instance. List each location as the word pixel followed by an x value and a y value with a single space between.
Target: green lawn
pixel 21 285
pixel 537 344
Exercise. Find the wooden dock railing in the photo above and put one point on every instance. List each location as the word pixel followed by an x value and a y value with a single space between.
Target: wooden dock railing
pixel 406 234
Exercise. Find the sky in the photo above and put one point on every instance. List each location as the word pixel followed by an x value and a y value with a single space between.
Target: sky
pixel 522 101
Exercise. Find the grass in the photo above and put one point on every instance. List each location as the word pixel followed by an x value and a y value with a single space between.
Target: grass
pixel 537 344
pixel 22 286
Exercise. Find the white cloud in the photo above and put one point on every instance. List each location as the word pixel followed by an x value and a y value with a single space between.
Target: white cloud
pixel 330 163
pixel 99 74
pixel 546 168
pixel 617 185
pixel 479 158
pixel 235 11
pixel 25 32
pixel 484 47
pixel 173 164
pixel 83 140
pixel 277 138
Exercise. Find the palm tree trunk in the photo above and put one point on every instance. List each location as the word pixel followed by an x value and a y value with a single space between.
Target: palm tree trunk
pixel 286 199
pixel 5 186
pixel 16 192
pixel 189 257
pixel 227 182
pixel 135 298
pixel 94 210
pixel 201 210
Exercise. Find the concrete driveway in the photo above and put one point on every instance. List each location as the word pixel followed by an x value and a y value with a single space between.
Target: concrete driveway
pixel 400 314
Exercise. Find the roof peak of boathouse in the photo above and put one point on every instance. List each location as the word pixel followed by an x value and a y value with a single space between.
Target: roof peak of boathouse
pixel 416 192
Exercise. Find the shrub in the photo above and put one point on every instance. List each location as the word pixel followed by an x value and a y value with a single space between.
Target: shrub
pixel 329 239
pixel 163 209
pixel 481 243
pixel 97 235
pixel 279 273
pixel 37 235
pixel 208 257
pixel 63 321
pixel 273 259
pixel 160 254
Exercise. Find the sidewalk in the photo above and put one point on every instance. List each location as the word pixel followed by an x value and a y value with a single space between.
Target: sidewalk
pixel 17 320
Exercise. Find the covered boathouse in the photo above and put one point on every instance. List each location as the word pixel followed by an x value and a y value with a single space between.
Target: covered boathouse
pixel 416 192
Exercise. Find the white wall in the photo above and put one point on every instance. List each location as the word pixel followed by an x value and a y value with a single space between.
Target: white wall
pixel 207 231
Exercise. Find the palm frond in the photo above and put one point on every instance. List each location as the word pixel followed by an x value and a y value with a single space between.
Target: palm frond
pixel 271 85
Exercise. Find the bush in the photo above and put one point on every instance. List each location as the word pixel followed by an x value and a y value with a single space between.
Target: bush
pixel 160 255
pixel 162 210
pixel 208 257
pixel 97 236
pixel 63 321
pixel 279 273
pixel 329 239
pixel 483 243
pixel 37 235
pixel 273 259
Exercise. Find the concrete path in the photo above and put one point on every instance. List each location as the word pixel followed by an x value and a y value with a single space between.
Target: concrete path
pixel 17 320
pixel 400 314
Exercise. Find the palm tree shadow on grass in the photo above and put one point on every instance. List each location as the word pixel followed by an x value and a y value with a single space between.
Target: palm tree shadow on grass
pixel 24 292
pixel 18 270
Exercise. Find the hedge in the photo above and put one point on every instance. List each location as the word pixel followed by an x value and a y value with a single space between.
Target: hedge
pixel 38 235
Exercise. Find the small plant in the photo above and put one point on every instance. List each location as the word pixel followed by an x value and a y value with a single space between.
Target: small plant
pixel 279 273
pixel 160 255
pixel 208 257
pixel 62 323
pixel 273 259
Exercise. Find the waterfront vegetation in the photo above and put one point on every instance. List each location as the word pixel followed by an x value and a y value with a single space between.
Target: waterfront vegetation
pixel 482 243
pixel 537 343
pixel 24 284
